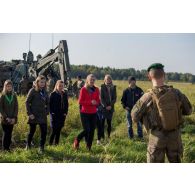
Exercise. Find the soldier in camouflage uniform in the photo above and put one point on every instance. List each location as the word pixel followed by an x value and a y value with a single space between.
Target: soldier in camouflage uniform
pixel 77 86
pixel 50 84
pixel 161 110
pixel 70 87
pixel 23 86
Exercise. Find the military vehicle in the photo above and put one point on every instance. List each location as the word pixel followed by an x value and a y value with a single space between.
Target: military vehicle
pixel 54 62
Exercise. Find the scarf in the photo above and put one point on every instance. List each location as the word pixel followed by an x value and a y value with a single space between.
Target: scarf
pixel 91 90
pixel 42 94
pixel 9 98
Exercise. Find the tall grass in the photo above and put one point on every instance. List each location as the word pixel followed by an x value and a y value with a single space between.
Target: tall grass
pixel 118 149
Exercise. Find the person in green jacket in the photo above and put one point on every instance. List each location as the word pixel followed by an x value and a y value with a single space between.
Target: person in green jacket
pixel 9 113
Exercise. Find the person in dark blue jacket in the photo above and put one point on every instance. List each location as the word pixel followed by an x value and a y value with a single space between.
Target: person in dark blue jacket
pixel 128 100
pixel 58 111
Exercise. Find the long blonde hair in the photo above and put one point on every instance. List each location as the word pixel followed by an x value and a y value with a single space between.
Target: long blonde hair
pixel 57 83
pixel 107 76
pixel 7 82
pixel 87 85
pixel 39 78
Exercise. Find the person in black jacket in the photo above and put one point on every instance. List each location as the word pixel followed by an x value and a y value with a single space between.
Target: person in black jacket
pixel 108 100
pixel 130 96
pixel 58 111
pixel 37 106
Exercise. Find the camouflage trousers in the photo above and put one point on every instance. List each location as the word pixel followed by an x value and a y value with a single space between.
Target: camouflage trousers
pixel 163 143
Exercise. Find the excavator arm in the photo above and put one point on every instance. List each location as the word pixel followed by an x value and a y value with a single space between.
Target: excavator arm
pixel 60 55
pixel 64 64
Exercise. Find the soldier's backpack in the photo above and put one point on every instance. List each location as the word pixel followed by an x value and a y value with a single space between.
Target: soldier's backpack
pixel 168 107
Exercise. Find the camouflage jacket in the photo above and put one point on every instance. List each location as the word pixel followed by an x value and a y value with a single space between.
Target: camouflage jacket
pixel 78 85
pixel 50 85
pixel 144 109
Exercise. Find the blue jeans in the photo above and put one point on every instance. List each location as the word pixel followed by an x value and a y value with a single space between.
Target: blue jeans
pixel 130 126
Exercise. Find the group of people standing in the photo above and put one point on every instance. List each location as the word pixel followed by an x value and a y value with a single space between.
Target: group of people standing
pixel 39 104
pixel 160 110
pixel 96 107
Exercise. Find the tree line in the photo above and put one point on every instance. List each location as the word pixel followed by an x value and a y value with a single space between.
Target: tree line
pixel 122 74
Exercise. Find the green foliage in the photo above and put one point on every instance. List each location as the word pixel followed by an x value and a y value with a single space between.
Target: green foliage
pixel 190 129
pixel 122 74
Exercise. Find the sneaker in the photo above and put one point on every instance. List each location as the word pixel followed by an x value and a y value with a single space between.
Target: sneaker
pixel 76 144
pixel 98 142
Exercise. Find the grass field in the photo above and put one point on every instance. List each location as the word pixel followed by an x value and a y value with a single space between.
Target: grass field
pixel 118 149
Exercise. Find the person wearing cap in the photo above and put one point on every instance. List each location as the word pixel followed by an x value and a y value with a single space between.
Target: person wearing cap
pixel 160 109
pixel 129 98
pixel 78 84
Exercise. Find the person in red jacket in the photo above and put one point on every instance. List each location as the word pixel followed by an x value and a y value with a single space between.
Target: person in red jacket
pixel 89 99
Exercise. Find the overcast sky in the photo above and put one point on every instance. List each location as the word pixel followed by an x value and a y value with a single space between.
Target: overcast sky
pixel 175 51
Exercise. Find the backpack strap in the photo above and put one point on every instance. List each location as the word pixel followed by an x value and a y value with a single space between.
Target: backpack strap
pixel 155 107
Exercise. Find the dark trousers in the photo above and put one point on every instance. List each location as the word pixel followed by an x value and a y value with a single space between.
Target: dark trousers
pixel 100 133
pixel 109 126
pixel 7 136
pixel 43 128
pixel 89 125
pixel 55 135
